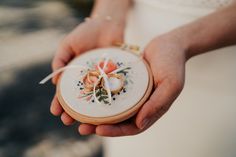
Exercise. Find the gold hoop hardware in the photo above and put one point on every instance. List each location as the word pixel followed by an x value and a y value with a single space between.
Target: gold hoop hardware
pixel 128 47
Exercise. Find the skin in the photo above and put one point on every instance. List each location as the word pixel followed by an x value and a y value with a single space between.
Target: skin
pixel 167 55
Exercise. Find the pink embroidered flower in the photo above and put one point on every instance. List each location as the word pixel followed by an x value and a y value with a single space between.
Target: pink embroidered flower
pixel 109 67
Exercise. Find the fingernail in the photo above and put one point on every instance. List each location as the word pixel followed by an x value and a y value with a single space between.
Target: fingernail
pixel 145 123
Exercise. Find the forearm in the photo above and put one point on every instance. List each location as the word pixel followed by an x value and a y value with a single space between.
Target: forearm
pixel 116 9
pixel 210 32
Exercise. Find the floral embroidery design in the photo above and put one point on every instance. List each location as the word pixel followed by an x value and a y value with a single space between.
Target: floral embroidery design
pixel 94 88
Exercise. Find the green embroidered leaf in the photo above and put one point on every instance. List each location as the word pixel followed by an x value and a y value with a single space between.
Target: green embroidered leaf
pixel 104 96
pixel 102 91
pixel 124 70
pixel 98 93
pixel 100 99
pixel 106 102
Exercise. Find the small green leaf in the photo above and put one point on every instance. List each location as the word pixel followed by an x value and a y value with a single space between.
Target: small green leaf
pixel 98 94
pixel 100 99
pixel 105 96
pixel 106 102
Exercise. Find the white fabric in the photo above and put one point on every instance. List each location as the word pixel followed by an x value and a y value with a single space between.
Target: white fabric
pixel 201 122
pixel 191 3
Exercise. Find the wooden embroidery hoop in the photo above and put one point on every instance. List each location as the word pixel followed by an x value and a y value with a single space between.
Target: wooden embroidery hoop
pixel 111 119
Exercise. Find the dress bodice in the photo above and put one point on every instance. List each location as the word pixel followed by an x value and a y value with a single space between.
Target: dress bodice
pixel 192 3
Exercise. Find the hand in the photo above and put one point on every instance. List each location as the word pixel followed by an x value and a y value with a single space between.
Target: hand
pixel 88 35
pixel 166 56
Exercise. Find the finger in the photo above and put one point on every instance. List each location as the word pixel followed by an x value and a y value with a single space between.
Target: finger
pixel 86 129
pixel 122 129
pixel 158 104
pixel 56 108
pixel 63 55
pixel 66 119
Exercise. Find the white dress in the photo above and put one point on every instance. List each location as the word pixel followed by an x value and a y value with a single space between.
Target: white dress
pixel 201 122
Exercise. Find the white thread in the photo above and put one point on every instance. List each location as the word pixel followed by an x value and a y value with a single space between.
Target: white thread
pixel 102 75
pixel 47 78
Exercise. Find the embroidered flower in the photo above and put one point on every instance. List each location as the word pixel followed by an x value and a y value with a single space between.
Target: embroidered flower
pixel 90 79
pixel 103 81
pixel 111 66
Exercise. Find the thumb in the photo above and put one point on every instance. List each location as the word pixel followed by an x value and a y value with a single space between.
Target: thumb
pixel 63 55
pixel 158 104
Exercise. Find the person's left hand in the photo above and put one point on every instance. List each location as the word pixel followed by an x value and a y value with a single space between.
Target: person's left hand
pixel 166 57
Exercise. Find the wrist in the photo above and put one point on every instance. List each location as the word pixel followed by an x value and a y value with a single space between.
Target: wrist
pixel 187 37
pixel 106 20
pixel 105 23
pixel 115 9
pixel 177 39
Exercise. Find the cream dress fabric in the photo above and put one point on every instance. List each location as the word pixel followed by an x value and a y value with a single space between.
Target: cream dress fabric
pixel 202 121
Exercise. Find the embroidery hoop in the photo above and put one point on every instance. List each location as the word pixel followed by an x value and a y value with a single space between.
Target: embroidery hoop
pixel 110 119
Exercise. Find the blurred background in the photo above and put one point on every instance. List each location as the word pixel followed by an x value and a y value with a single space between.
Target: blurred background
pixel 30 31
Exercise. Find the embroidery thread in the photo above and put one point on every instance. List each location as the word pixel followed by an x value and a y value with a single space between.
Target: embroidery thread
pixel 103 78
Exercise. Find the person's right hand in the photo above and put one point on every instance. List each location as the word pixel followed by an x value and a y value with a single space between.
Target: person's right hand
pixel 91 34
